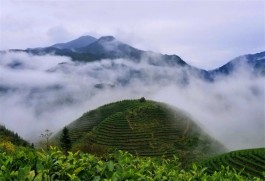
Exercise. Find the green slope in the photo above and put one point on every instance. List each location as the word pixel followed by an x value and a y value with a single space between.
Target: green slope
pixel 251 161
pixel 7 135
pixel 144 128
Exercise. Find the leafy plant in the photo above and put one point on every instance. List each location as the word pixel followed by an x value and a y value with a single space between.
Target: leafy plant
pixel 31 165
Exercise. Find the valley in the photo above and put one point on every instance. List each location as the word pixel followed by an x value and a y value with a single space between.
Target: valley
pixel 184 126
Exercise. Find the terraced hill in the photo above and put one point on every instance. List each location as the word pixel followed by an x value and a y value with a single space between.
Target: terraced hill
pixel 144 128
pixel 251 161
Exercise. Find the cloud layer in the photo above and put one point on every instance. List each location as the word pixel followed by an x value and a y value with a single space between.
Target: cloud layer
pixel 39 92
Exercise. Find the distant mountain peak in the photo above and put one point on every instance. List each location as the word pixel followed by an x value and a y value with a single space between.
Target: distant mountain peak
pixel 254 61
pixel 88 48
pixel 106 38
pixel 77 43
pixel 84 38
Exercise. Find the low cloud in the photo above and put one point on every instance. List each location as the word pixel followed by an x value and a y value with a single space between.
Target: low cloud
pixel 232 109
pixel 39 92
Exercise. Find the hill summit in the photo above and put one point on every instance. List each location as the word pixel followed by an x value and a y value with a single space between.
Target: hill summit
pixel 77 43
pixel 143 127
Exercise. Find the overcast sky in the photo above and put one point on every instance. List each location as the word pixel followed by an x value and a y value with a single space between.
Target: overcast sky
pixel 206 34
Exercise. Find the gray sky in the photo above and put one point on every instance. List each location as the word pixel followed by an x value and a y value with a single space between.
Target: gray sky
pixel 205 34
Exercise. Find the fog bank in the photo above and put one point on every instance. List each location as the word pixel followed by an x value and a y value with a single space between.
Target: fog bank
pixel 40 92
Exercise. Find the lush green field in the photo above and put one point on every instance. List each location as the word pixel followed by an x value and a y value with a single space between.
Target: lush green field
pixel 29 164
pixel 250 161
pixel 144 128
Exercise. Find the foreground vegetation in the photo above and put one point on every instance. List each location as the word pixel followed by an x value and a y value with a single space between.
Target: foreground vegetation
pixel 158 143
pixel 39 165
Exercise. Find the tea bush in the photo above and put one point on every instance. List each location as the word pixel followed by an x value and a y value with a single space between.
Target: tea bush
pixel 39 165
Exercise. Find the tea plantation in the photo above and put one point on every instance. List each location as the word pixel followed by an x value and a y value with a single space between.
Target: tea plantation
pixel 144 128
pixel 129 140
pixel 26 164
pixel 249 162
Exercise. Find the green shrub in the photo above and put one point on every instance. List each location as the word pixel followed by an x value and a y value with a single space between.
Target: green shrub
pixel 31 165
pixel 7 146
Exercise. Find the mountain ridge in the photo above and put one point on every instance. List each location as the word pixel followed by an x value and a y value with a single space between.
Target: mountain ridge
pixel 76 43
pixel 255 61
pixel 108 47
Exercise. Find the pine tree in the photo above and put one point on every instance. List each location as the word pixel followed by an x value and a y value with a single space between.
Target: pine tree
pixel 65 141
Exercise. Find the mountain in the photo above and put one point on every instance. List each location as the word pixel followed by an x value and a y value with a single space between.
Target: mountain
pixel 77 43
pixel 145 128
pixel 88 49
pixel 255 62
pixel 109 47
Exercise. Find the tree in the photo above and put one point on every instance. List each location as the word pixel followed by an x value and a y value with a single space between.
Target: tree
pixel 65 140
pixel 142 99
pixel 46 135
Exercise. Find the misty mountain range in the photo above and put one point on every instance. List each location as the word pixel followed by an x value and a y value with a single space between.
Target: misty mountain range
pixel 89 49
pixel 52 86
